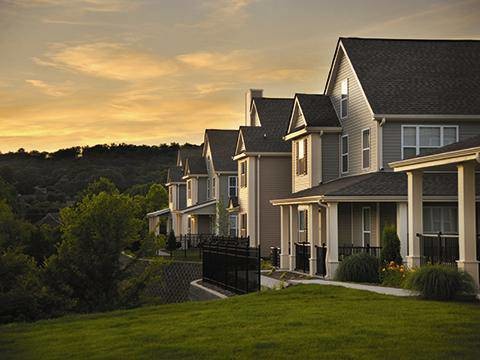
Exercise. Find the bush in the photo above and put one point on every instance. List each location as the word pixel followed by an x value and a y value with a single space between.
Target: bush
pixel 358 268
pixel 171 241
pixel 393 275
pixel 390 246
pixel 440 282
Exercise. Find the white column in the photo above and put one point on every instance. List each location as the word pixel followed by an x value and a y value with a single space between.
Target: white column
pixel 293 234
pixel 332 239
pixel 284 237
pixel 313 235
pixel 415 216
pixel 402 228
pixel 467 244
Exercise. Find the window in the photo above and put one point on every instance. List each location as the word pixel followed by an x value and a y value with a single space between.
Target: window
pixel 232 186
pixel 301 153
pixel 214 187
pixel 209 193
pixel 189 225
pixel 366 226
pixel 243 174
pixel 303 225
pixel 232 220
pixel 366 148
pixel 243 225
pixel 344 153
pixel 170 194
pixel 422 139
pixel 344 100
pixel 440 218
pixel 189 189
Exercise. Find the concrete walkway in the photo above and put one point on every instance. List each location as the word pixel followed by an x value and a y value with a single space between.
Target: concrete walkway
pixel 373 288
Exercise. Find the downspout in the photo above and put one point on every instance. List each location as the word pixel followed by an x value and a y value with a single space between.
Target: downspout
pixel 380 143
pixel 257 194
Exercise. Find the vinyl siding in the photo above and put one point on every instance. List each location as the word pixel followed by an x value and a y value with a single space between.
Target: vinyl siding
pixel 344 224
pixel 301 182
pixel 242 192
pixel 359 117
pixel 202 189
pixel 274 184
pixel 329 153
pixel 392 135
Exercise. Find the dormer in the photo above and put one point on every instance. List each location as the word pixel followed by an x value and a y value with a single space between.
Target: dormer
pixel 195 175
pixel 314 131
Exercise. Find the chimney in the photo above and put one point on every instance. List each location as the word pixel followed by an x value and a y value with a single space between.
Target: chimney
pixel 249 95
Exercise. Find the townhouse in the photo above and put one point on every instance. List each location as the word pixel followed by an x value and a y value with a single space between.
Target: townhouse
pixel 384 101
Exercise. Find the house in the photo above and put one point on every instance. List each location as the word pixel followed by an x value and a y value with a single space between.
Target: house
pixel 263 160
pixel 384 101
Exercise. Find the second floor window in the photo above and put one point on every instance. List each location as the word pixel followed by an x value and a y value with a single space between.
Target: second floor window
pixel 422 139
pixel 189 189
pixel 344 100
pixel 209 191
pixel 301 151
pixel 232 186
pixel 243 225
pixel 366 148
pixel 344 154
pixel 243 174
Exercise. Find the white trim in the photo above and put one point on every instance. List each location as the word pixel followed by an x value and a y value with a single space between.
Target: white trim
pixel 198 206
pixel 313 129
pixel 346 98
pixel 369 148
pixel 236 185
pixel 246 154
pixel 416 117
pixel 342 154
pixel 417 134
pixel 369 232
pixel 295 104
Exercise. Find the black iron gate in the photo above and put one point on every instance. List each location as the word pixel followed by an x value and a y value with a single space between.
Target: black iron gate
pixel 302 257
pixel 321 260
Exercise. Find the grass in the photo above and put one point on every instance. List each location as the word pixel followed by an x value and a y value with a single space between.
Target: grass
pixel 305 322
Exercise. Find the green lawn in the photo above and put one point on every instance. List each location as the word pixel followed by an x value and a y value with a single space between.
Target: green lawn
pixel 304 321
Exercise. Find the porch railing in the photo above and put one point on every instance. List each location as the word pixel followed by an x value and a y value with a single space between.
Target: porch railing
pixel 189 241
pixel 302 256
pixel 439 248
pixel 348 250
pixel 321 260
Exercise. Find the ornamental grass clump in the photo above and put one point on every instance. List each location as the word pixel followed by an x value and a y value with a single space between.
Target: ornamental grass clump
pixel 362 268
pixel 440 282
pixel 393 274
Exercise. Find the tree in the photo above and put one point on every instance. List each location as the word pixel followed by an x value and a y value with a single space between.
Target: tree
pixel 157 198
pixel 103 184
pixel 171 241
pixel 390 245
pixel 222 218
pixel 87 266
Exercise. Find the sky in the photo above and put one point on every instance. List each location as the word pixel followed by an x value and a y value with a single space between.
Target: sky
pixel 85 72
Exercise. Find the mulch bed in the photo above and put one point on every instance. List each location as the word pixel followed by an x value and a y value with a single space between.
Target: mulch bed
pixel 287 275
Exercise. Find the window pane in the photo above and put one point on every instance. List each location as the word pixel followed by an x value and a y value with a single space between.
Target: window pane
pixel 366 139
pixel 345 87
pixel 429 136
pixel 366 219
pixel 366 159
pixel 344 163
pixel 301 150
pixel 409 136
pixel 344 145
pixel 409 153
pixel 427 220
pixel 449 135
pixel 344 106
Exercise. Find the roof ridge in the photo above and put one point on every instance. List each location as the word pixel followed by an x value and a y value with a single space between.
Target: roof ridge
pixel 406 39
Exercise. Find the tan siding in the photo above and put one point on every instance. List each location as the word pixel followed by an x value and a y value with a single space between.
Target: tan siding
pixel 300 182
pixel 329 157
pixel 359 117
pixel 298 120
pixel 274 184
pixel 242 193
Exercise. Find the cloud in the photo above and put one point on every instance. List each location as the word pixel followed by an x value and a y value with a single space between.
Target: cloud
pixel 85 5
pixel 232 61
pixel 108 60
pixel 49 89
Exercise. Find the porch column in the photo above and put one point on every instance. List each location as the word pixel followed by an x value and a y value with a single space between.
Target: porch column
pixel 293 234
pixel 332 239
pixel 284 237
pixel 415 216
pixel 467 242
pixel 313 235
pixel 402 228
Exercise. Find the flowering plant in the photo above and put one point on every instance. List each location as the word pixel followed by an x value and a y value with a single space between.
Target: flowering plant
pixel 393 274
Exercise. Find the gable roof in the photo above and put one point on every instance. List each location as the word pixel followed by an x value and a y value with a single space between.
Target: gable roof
pixel 195 165
pixel 175 174
pixel 188 150
pixel 417 77
pixel 317 110
pixel 274 115
pixel 222 146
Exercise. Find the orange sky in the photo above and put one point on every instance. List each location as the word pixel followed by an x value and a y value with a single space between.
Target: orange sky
pixel 82 72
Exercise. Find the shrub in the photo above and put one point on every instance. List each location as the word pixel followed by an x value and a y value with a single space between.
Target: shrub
pixel 171 241
pixel 393 274
pixel 390 246
pixel 440 282
pixel 358 268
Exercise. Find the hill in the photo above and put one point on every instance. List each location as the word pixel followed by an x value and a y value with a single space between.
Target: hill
pixel 301 322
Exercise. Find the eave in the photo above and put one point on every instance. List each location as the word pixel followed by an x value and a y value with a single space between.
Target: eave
pixel 312 129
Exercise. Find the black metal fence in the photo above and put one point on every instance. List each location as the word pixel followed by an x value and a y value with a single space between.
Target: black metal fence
pixel 321 260
pixel 231 265
pixel 348 250
pixel 275 256
pixel 438 249
pixel 302 256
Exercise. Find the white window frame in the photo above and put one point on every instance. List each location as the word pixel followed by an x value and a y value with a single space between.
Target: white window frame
pixel 368 148
pixel 346 154
pixel 230 185
pixel 417 136
pixel 369 232
pixel 344 98
pixel 209 193
pixel 189 189
pixel 230 222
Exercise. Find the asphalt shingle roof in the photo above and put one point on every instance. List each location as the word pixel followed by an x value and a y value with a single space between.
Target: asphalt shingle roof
pixel 196 165
pixel 418 76
pixel 318 110
pixel 175 174
pixel 471 142
pixel 222 145
pixel 384 184
pixel 189 151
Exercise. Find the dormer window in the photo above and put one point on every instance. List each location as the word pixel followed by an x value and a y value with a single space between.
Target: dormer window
pixel 301 151
pixel 344 100
pixel 243 174
pixel 189 189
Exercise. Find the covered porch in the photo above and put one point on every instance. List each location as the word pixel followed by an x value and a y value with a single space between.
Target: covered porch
pixel 199 218
pixel 461 249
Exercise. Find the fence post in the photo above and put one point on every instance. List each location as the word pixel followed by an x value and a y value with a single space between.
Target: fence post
pixel 259 269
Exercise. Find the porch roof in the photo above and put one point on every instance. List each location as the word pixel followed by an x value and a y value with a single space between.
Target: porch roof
pixel 165 211
pixel 206 207
pixel 367 187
